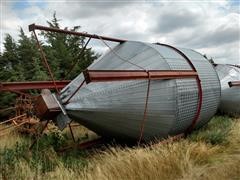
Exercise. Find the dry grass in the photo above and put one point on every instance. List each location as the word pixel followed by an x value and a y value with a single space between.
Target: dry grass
pixel 176 160
pixel 228 165
pixel 169 161
pixel 80 133
pixel 234 137
pixel 10 139
pixel 191 158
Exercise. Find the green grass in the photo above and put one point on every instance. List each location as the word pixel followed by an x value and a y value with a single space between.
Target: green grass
pixel 43 158
pixel 215 132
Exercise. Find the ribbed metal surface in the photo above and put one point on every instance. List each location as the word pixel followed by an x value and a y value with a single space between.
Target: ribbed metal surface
pixel 116 108
pixel 230 98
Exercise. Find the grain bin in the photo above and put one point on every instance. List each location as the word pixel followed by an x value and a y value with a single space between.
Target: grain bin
pixel 116 109
pixel 230 98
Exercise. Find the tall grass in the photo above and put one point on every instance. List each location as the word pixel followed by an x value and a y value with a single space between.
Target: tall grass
pixel 168 161
pixel 212 152
pixel 215 132
pixel 10 139
pixel 18 161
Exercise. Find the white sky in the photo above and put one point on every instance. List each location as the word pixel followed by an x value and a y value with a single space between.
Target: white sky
pixel 210 27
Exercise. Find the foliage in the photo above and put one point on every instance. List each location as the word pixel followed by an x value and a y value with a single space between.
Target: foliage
pixel 9 157
pixel 65 50
pixel 74 159
pixel 55 139
pixel 42 158
pixel 215 132
pixel 21 60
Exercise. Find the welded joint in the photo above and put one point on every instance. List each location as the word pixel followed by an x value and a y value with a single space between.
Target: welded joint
pixel 31 27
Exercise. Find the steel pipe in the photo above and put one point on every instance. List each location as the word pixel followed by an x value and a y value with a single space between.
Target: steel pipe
pixel 33 27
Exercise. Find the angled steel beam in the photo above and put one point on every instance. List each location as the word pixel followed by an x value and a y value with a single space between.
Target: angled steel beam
pixel 234 65
pixel 124 75
pixel 33 27
pixel 233 83
pixel 19 86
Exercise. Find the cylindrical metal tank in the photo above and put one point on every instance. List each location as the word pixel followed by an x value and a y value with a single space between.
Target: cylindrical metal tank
pixel 230 96
pixel 116 108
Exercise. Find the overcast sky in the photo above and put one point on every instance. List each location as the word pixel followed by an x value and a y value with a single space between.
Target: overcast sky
pixel 210 27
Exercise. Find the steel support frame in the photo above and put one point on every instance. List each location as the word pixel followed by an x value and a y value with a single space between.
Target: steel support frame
pixel 21 86
pixel 33 27
pixel 124 75
pixel 233 83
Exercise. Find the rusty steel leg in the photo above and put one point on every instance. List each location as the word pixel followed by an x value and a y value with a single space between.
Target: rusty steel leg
pixel 145 111
pixel 45 61
pixel 40 134
pixel 83 145
pixel 69 125
pixel 75 92
pixel 81 54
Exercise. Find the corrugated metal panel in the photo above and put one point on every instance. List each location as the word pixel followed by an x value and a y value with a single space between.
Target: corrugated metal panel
pixel 116 108
pixel 230 98
pixel 209 82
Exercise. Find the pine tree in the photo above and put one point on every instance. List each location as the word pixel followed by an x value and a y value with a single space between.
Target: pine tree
pixel 65 50
pixel 9 60
pixel 8 64
pixel 21 60
pixel 39 73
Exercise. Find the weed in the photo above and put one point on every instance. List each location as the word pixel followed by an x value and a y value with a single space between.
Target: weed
pixel 55 139
pixel 75 159
pixel 215 132
pixel 10 157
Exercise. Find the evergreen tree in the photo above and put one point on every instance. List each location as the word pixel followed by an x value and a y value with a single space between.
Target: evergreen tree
pixel 65 50
pixel 39 73
pixel 8 63
pixel 9 59
pixel 21 60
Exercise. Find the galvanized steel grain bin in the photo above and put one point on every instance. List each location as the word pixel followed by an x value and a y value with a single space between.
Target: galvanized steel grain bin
pixel 115 109
pixel 230 97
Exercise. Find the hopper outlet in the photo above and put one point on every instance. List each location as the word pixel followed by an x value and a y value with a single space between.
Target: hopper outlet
pixel 49 107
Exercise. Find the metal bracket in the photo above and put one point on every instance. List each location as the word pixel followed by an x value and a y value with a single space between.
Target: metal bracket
pixel 62 120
